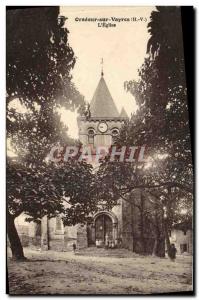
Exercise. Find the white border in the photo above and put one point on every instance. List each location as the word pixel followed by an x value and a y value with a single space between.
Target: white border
pixel 101 2
pixel 3 3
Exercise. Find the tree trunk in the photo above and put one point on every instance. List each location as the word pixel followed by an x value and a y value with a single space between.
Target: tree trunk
pixel 167 237
pixel 142 224
pixel 155 246
pixel 166 222
pixel 156 234
pixel 15 243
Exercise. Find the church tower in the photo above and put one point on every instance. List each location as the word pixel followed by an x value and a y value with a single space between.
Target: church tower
pixel 104 122
pixel 99 128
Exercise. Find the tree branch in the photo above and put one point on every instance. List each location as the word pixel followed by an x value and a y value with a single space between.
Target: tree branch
pixel 185 187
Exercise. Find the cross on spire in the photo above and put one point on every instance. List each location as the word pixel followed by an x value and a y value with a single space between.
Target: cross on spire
pixel 102 62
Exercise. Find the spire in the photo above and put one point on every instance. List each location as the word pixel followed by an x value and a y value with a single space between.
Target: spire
pixel 102 71
pixel 123 113
pixel 102 104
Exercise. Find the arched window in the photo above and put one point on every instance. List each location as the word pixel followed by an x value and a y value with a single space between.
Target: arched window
pixel 91 133
pixel 115 132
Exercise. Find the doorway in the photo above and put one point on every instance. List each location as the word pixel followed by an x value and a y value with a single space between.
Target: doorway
pixel 103 228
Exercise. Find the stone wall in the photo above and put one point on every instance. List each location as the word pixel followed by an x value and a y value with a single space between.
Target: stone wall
pixel 27 232
pixel 117 211
pixel 99 139
pixel 178 237
pixel 82 240
pixel 61 238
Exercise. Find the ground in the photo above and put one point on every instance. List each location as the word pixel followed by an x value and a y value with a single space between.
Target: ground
pixel 97 271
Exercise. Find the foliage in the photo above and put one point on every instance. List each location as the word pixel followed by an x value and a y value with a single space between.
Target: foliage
pixel 161 123
pixel 39 58
pixel 51 189
pixel 39 64
pixel 39 61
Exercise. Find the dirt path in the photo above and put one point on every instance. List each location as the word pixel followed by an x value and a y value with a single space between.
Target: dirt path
pixel 98 272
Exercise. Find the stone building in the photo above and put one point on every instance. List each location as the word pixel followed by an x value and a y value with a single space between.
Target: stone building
pixel 181 237
pixel 124 225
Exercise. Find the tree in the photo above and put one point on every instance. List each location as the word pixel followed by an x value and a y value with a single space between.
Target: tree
pixel 163 106
pixel 49 189
pixel 161 92
pixel 161 122
pixel 39 61
pixel 39 58
pixel 32 191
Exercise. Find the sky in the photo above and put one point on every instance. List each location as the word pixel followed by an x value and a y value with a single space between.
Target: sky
pixel 122 48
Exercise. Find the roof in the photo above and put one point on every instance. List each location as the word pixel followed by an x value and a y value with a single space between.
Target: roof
pixel 102 104
pixel 186 225
pixel 123 113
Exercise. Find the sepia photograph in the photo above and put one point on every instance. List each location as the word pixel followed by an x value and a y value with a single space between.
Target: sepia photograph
pixel 99 164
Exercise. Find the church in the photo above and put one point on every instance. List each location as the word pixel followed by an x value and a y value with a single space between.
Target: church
pixel 124 226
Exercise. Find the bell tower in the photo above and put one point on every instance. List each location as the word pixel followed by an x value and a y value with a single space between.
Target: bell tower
pixel 103 122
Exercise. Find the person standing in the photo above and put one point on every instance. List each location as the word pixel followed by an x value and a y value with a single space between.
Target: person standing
pixel 74 248
pixel 172 252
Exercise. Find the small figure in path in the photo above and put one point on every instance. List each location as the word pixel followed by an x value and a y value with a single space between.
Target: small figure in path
pixel 74 248
pixel 172 252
